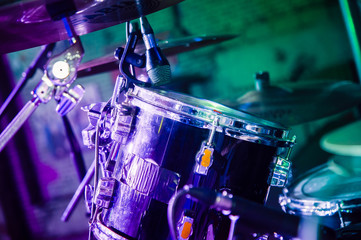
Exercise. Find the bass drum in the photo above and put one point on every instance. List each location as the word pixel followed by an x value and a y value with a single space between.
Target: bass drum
pixel 331 193
pixel 177 140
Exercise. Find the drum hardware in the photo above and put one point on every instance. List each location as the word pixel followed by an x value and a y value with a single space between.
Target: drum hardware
pixel 281 169
pixel 185 225
pixel 158 109
pixel 138 137
pixel 322 192
pixel 75 148
pixel 332 190
pixel 103 195
pixel 126 68
pixel 234 219
pixel 78 193
pixel 342 223
pixel 38 63
pixel 59 74
pixel 204 157
pixel 350 232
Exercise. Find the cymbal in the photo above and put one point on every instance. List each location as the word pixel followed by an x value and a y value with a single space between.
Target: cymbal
pixel 300 103
pixel 28 24
pixel 168 47
pixel 345 141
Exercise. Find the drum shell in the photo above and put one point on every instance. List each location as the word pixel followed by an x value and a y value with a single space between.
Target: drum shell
pixel 243 167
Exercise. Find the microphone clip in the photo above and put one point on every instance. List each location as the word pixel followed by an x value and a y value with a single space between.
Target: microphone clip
pixel 124 65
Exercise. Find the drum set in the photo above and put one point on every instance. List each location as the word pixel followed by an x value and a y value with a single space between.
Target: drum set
pixel 172 166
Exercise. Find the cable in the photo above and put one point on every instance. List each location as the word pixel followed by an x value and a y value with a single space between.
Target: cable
pixel 171 207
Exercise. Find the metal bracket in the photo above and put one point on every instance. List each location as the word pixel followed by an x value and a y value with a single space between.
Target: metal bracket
pixel 104 192
pixel 185 227
pixel 204 157
pixel 280 172
pixel 281 169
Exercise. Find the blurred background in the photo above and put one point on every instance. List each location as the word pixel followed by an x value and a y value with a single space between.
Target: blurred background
pixel 300 43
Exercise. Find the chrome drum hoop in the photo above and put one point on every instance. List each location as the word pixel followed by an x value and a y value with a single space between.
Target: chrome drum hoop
pixel 201 113
pixel 295 201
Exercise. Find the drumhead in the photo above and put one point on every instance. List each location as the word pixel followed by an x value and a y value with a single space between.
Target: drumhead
pixel 202 113
pixel 323 191
pixel 345 140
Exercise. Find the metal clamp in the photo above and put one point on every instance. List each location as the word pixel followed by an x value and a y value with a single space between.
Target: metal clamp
pixel 69 100
pixel 280 172
pixel 104 192
pixel 185 227
pixel 281 169
pixel 204 157
pixel 118 123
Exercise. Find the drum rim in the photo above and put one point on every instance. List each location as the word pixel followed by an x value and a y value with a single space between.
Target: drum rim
pixel 235 126
pixel 311 205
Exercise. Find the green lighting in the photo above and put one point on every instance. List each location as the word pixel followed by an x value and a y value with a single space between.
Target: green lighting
pixel 351 29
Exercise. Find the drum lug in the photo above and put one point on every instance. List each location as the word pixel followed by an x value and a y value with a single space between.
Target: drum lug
pixel 123 123
pixel 185 227
pixel 280 172
pixel 117 125
pixel 281 169
pixel 204 157
pixel 104 192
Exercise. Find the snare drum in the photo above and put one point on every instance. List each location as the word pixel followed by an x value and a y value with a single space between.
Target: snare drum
pixel 331 191
pixel 176 140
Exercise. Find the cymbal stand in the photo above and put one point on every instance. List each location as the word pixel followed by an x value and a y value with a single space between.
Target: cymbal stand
pixel 38 62
pixel 59 73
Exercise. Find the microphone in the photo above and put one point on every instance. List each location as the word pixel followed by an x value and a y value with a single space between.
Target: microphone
pixel 255 215
pixel 157 65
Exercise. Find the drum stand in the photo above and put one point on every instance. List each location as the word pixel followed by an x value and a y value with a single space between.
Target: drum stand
pixel 59 74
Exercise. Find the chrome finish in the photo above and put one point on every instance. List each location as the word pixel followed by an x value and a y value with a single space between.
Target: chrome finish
pixel 45 89
pixel 102 232
pixel 104 192
pixel 167 185
pixel 18 121
pixel 280 172
pixel 322 192
pixel 234 219
pixel 48 87
pixel 83 187
pixel 204 159
pixel 129 206
pixel 183 232
pixel 201 113
pixel 117 128
pixel 164 131
pixel 70 99
pixel 140 174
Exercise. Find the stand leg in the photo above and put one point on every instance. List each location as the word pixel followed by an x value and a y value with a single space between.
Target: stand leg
pixel 18 121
